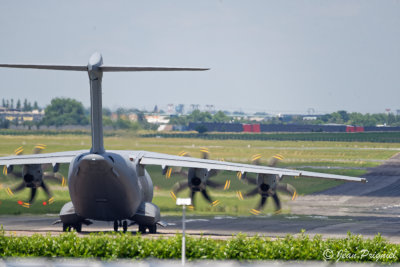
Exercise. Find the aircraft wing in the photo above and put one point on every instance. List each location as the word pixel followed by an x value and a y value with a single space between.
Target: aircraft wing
pixel 53 158
pixel 165 160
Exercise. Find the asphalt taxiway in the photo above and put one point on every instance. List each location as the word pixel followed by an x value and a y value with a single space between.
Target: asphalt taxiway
pixel 366 209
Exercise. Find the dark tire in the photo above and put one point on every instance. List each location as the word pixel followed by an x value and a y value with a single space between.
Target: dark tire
pixel 78 227
pixel 153 229
pixel 116 226
pixel 125 226
pixel 66 227
pixel 142 229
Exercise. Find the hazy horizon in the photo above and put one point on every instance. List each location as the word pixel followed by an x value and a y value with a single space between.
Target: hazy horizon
pixel 267 56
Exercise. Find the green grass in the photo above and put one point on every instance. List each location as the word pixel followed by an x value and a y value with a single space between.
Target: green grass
pixel 379 137
pixel 296 153
pixel 240 247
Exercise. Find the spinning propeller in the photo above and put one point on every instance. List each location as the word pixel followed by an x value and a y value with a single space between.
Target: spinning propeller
pixel 267 185
pixel 32 177
pixel 197 179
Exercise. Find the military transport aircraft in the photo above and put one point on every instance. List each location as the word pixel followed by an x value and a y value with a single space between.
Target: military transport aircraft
pixel 114 185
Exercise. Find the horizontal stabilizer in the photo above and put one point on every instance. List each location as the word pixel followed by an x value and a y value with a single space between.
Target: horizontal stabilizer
pixel 102 68
pixel 129 68
pixel 45 67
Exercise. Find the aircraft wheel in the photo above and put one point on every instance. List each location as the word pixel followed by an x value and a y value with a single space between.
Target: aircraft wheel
pixel 125 226
pixel 153 229
pixel 116 226
pixel 78 227
pixel 142 229
pixel 66 227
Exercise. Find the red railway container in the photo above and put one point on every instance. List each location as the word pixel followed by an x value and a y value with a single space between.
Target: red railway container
pixel 256 128
pixel 247 128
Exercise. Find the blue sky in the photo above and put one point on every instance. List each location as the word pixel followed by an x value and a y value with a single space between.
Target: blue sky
pixel 272 56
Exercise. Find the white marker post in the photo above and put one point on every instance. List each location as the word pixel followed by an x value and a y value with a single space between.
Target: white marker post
pixel 183 202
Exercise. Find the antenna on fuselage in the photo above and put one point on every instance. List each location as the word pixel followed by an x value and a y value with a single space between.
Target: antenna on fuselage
pixel 95 70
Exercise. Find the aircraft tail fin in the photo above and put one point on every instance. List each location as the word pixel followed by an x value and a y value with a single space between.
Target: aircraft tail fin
pixel 95 69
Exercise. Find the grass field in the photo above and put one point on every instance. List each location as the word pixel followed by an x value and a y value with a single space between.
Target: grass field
pixel 296 153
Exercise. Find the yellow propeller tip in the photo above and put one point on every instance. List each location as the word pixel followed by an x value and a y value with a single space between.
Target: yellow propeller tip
pixel 278 211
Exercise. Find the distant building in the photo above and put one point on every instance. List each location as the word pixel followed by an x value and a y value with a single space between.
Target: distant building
pixel 21 116
pixel 133 117
pixel 310 118
pixel 157 119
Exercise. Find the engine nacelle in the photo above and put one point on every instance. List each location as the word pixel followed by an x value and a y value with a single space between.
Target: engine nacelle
pixel 267 183
pixel 32 175
pixel 197 179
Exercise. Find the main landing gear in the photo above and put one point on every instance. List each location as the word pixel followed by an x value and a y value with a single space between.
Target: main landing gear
pixel 69 227
pixel 152 228
pixel 124 225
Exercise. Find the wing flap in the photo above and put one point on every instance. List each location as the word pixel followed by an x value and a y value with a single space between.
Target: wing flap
pixel 332 176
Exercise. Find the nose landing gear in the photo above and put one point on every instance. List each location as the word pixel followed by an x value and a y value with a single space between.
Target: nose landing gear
pixel 124 225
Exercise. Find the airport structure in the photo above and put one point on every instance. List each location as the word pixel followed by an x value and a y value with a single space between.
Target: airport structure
pixel 297 128
pixel 17 114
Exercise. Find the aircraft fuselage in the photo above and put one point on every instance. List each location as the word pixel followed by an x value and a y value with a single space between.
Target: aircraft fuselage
pixel 107 186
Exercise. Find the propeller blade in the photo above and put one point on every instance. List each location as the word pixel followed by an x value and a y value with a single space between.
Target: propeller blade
pixel 212 173
pixel 250 180
pixel 178 187
pixel 19 151
pixel 256 159
pixel 11 192
pixel 288 189
pixel 169 171
pixel 251 193
pixel 206 196
pixel 48 193
pixel 214 184
pixel 277 203
pixel 19 187
pixel 55 177
pixel 15 174
pixel 192 193
pixel 275 160
pixel 38 148
pixel 205 153
pixel 240 176
pixel 46 189
pixel 8 170
pixel 262 203
pixel 33 195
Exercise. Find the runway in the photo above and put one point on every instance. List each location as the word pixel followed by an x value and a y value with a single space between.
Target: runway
pixel 366 209
pixel 225 227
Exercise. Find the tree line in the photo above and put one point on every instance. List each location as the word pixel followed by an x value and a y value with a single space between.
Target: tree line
pixel 66 111
pixel 338 117
pixel 25 106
